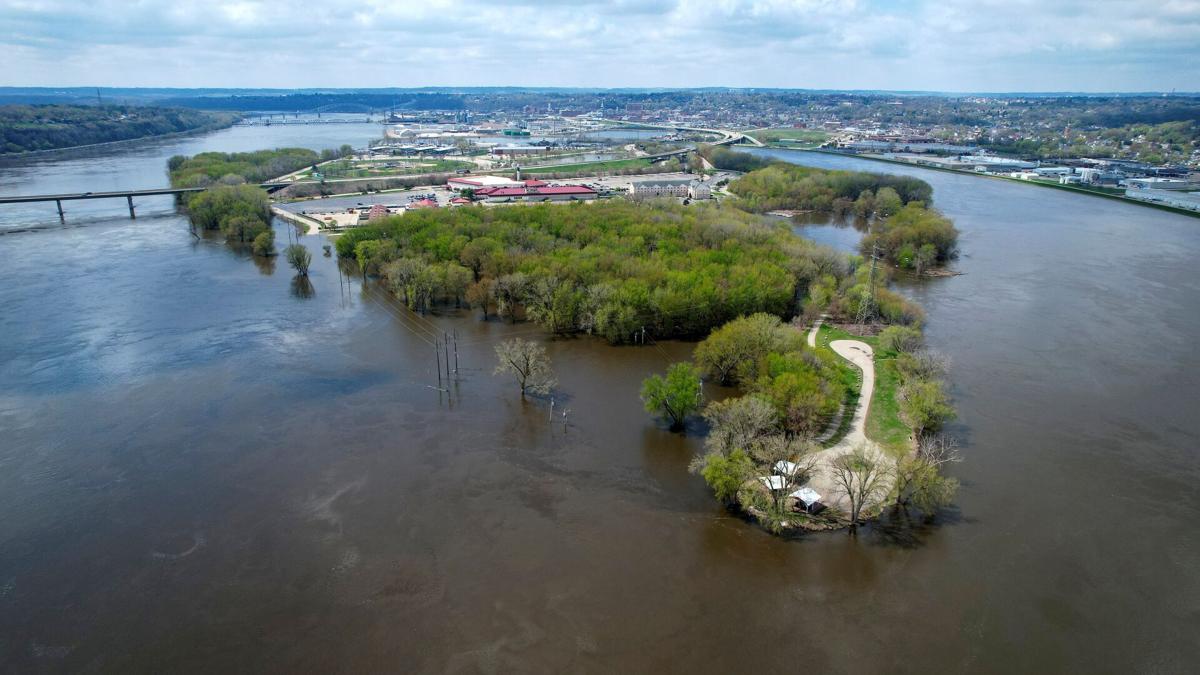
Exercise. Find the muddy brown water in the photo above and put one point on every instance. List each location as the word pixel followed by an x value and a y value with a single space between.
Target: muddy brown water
pixel 206 468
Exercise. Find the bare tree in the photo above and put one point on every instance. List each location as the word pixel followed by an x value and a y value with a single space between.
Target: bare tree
pixel 919 480
pixel 790 460
pixel 527 360
pixel 738 423
pixel 862 477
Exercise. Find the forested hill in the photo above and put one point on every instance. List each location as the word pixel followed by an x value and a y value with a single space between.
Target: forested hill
pixel 25 128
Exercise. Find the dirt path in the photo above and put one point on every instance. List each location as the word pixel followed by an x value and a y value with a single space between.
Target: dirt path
pixel 822 480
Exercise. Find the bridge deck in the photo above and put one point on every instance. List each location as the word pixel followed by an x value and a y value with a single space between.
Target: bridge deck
pixel 16 199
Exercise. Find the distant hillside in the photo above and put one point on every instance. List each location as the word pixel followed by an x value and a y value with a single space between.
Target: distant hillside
pixel 27 128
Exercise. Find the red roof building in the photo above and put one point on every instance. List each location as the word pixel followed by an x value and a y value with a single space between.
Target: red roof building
pixel 540 194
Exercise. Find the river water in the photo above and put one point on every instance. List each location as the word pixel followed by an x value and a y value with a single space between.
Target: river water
pixel 208 466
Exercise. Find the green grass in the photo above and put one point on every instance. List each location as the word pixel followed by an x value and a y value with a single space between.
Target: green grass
pixel 884 425
pixel 610 165
pixel 353 169
pixel 779 134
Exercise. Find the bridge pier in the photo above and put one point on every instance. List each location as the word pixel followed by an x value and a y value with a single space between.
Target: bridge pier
pixel 62 218
pixel 132 216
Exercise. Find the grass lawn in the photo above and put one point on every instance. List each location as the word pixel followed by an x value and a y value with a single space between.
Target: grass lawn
pixel 376 169
pixel 798 137
pixel 884 425
pixel 611 165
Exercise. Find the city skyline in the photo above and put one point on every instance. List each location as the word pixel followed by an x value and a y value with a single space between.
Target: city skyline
pixel 913 45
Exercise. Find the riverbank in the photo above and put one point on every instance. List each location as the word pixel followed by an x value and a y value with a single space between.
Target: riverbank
pixel 1055 186
pixel 66 151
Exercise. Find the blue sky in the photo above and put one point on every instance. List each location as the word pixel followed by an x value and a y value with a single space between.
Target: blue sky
pixel 945 45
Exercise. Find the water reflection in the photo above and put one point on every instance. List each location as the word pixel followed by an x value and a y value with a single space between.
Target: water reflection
pixel 302 287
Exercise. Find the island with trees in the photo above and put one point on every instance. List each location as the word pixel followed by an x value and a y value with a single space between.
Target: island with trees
pixel 856 409
pixel 235 168
pixel 34 128
pixel 903 228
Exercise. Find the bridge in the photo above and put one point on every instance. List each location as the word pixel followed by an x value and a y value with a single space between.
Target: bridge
pixel 727 137
pixel 58 199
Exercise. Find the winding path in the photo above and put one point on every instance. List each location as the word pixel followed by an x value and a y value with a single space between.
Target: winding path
pixel 862 356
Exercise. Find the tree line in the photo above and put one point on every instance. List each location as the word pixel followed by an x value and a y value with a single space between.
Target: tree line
pixel 26 128
pixel 233 168
pixel 903 229
pixel 613 268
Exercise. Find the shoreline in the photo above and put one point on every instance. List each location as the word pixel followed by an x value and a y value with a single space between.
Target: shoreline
pixel 88 146
pixel 1066 188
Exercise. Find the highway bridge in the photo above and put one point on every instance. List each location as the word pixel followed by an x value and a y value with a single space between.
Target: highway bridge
pixel 58 199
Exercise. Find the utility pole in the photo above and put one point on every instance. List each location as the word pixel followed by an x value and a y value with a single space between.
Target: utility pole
pixel 866 310
pixel 438 357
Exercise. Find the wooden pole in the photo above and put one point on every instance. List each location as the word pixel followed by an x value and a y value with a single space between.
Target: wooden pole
pixel 129 198
pixel 446 348
pixel 61 216
pixel 456 351
pixel 438 357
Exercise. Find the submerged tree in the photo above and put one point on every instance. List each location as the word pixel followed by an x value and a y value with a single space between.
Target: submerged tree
pixel 860 476
pixel 527 360
pixel 726 474
pixel 919 479
pixel 674 397
pixel 299 258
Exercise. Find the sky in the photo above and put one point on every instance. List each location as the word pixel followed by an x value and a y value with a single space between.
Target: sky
pixel 928 45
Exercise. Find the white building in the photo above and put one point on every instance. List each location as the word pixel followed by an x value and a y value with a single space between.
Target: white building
pixel 461 183
pixel 699 190
pixel 1176 198
pixel 1160 184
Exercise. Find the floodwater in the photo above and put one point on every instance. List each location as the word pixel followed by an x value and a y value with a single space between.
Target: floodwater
pixel 208 466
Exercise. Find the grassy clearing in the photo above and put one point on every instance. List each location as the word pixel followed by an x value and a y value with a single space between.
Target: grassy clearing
pixel 884 425
pixel 789 136
pixel 379 169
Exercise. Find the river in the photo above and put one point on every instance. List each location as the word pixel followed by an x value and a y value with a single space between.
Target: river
pixel 207 466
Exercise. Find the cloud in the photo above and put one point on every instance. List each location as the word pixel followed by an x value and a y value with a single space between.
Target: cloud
pixel 984 45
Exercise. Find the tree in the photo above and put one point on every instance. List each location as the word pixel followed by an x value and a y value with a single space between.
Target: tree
pixel 739 423
pixel 726 474
pixel 900 339
pixel 299 258
pixel 924 406
pixel 861 477
pixel 919 479
pixel 676 396
pixel 477 252
pixel 264 244
pixel 925 258
pixel 790 461
pixel 731 353
pixel 527 360
pixel 887 202
pixel 482 294
pixel 921 364
pixel 510 291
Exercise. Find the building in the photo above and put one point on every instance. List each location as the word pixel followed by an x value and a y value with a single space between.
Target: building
pixel 544 193
pixel 377 211
pixel 666 187
pixel 699 190
pixel 476 183
pixel 1161 184
pixel 1175 198
pixel 519 150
